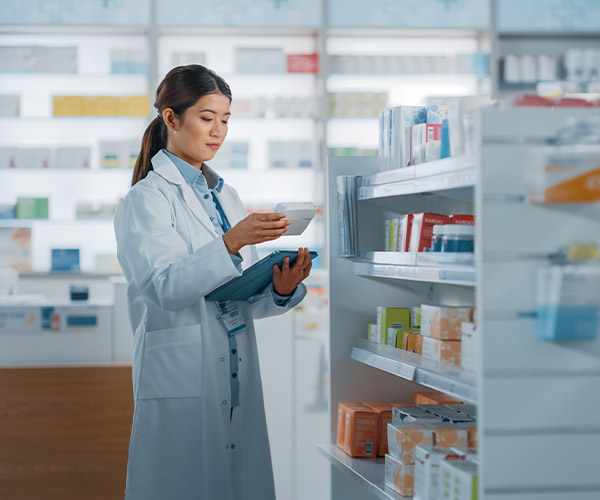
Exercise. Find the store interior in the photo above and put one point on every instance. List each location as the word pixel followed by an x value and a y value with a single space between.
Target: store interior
pixel 472 125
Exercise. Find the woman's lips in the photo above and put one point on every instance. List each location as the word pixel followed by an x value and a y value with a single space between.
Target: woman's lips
pixel 214 145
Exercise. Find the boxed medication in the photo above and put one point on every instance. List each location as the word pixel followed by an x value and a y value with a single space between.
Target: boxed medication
pixel 466 408
pixel 32 208
pixel 427 470
pixel 403 118
pixel 391 317
pixel 412 342
pixel 403 439
pixel 447 351
pixel 361 431
pixel 468 347
pixel 403 233
pixel 446 436
pixel 458 480
pixel 8 157
pixel 466 453
pixel 472 434
pixel 399 476
pixel 415 317
pixel 395 337
pixel 76 157
pixel 422 230
pixel 384 410
pixel 34 158
pixel 373 333
pixel 444 322
pixel 464 220
pixel 433 398
pixel 413 415
pixel 341 425
pixel 447 414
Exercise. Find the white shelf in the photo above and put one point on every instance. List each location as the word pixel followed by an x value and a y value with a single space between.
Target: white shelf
pixel 439 175
pixel 32 222
pixel 369 472
pixel 443 377
pixel 449 268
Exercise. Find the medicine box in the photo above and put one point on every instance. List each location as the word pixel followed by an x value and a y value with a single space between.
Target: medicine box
pixel 433 398
pixel 447 351
pixel 361 430
pixel 403 118
pixel 373 333
pixel 413 415
pixel 403 233
pixel 444 322
pixel 427 470
pixel 446 436
pixel 399 476
pixel 422 230
pixel 403 439
pixel 466 408
pixel 384 410
pixel 465 220
pixel 472 434
pixel 395 337
pixel 341 425
pixel 468 348
pixel 447 414
pixel 415 317
pixel 32 208
pixel 458 480
pixel 466 453
pixel 391 317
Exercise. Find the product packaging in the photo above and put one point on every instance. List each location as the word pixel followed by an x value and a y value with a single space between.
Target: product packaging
pixel 403 439
pixel 422 230
pixel 373 333
pixel 415 317
pixel 412 342
pixel 341 425
pixel 395 337
pixel 413 415
pixel 468 348
pixel 447 351
pixel 32 208
pixel 465 220
pixel 472 434
pixel 446 436
pixel 399 476
pixel 67 157
pixel 403 232
pixel 447 414
pixel 391 317
pixel 402 119
pixel 361 432
pixel 466 453
pixel 458 480
pixel 433 398
pixel 444 322
pixel 466 408
pixel 384 410
pixel 427 470
pixel 386 232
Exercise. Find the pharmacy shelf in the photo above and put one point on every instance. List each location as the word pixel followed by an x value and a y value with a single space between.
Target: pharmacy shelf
pixel 406 33
pixel 236 31
pixel 434 176
pixel 548 34
pixel 440 376
pixel 63 29
pixel 405 76
pixel 59 222
pixel 450 268
pixel 369 472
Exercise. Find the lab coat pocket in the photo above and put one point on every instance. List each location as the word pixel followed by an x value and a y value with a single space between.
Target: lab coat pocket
pixel 172 364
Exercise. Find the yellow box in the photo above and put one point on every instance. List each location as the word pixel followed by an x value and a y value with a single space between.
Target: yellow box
pixel 132 105
pixel 98 105
pixel 66 105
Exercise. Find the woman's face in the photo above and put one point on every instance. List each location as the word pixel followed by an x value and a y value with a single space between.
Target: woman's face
pixel 198 136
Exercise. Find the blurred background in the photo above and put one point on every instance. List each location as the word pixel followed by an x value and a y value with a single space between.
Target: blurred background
pixel 309 78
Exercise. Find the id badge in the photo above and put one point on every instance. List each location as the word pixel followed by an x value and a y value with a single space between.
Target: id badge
pixel 231 317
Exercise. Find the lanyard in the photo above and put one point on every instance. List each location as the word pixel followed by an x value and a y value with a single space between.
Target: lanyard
pixel 224 222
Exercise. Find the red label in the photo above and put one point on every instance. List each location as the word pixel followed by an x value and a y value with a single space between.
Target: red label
pixel 303 63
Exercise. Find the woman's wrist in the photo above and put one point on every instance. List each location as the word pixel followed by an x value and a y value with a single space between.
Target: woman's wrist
pixel 233 247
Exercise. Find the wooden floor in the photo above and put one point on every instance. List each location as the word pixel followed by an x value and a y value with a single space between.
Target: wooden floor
pixel 64 432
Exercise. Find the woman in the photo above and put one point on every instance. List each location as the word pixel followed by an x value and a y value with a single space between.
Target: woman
pixel 199 429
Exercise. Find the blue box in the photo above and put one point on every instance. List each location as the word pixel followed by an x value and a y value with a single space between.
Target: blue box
pixel 65 259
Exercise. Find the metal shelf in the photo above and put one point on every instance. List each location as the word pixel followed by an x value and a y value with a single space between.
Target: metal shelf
pixel 439 175
pixel 369 472
pixel 452 269
pixel 548 34
pixel 443 377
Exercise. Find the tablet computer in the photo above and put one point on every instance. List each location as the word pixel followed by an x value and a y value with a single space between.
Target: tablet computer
pixel 254 279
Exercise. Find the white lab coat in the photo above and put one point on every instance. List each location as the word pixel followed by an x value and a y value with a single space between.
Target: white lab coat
pixel 183 445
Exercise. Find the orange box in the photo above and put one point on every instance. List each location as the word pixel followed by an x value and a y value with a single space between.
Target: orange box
pixel 473 436
pixel 361 430
pixel 447 351
pixel 443 322
pixel 384 410
pixel 403 440
pixel 400 477
pixel 447 436
pixel 341 425
pixel 434 398
pixel 412 342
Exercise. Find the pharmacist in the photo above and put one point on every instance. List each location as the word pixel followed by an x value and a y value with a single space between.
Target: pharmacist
pixel 199 429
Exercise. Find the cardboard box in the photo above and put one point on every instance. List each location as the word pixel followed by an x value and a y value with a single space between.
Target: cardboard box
pixel 447 351
pixel 403 118
pixel 373 333
pixel 98 106
pixel 67 105
pixel 32 208
pixel 422 230
pixel 361 431
pixel 399 476
pixel 402 415
pixel 395 337
pixel 131 105
pixel 465 220
pixel 472 435
pixel 415 317
pixel 458 480
pixel 412 342
pixel 444 322
pixel 446 436
pixel 433 398
pixel 469 454
pixel 403 439
pixel 391 317
pixel 73 157
pixel 384 410
pixel 466 408
pixel 303 63
pixel 403 232
pixel 468 348
pixel 341 425
pixel 427 470
pixel 447 414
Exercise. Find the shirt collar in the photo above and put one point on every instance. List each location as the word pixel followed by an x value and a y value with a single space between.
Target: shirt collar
pixel 205 178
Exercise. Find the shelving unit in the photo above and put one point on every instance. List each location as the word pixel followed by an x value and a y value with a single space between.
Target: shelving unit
pixel 522 385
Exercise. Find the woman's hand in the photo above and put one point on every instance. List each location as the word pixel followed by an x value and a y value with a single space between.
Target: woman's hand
pixel 286 279
pixel 256 228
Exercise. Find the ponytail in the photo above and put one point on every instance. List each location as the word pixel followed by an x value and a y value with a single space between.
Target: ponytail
pixel 153 141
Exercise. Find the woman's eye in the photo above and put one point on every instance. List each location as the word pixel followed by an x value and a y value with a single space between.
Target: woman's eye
pixel 207 119
pixel 226 122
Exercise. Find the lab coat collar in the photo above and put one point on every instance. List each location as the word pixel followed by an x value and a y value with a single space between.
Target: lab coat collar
pixel 164 167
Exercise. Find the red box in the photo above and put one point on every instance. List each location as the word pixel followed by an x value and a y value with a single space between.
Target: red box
pixel 422 230
pixel 433 132
pixel 465 220
pixel 303 63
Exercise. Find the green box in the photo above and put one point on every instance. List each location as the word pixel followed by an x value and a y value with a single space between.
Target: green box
pixel 391 317
pixel 32 208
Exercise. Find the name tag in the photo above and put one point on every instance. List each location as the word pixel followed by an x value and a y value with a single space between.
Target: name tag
pixel 231 317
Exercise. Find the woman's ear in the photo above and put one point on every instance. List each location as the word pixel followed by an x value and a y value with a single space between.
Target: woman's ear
pixel 171 119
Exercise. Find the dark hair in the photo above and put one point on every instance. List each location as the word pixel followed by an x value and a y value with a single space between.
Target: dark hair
pixel 180 89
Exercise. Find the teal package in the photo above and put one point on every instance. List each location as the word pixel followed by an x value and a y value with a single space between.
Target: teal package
pixel 567 323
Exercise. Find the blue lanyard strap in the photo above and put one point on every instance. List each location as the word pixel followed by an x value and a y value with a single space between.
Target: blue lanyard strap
pixel 224 222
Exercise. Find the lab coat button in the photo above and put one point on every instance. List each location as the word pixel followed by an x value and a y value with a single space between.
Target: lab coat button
pixel 206 197
pixel 218 317
pixel 234 351
pixel 224 402
pixel 234 375
pixel 222 359
pixel 233 446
